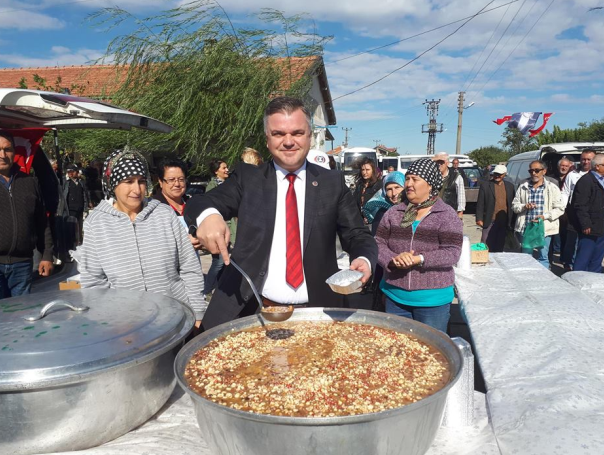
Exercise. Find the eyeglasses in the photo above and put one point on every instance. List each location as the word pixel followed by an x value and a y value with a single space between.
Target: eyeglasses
pixel 495 174
pixel 535 171
pixel 440 162
pixel 173 181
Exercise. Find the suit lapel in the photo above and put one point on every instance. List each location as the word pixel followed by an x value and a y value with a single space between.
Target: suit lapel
pixel 311 202
pixel 269 196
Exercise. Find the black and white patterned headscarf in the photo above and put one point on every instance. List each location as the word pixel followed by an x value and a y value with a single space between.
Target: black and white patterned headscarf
pixel 120 165
pixel 427 170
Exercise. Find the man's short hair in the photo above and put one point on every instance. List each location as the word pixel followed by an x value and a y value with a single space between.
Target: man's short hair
pixel 598 159
pixel 170 162
pixel 541 163
pixel 9 137
pixel 588 151
pixel 443 155
pixel 564 159
pixel 288 105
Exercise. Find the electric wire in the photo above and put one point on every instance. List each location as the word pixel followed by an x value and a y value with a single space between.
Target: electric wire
pixel 368 51
pixel 413 59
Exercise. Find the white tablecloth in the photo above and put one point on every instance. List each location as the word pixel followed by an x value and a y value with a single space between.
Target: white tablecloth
pixel 539 342
pixel 174 431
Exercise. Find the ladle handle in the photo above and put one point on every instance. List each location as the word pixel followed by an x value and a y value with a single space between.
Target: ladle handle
pixel 249 280
pixel 53 304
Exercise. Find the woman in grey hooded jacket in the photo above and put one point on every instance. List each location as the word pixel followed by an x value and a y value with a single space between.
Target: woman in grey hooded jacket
pixel 134 243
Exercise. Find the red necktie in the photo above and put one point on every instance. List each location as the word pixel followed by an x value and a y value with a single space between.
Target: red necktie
pixel 294 273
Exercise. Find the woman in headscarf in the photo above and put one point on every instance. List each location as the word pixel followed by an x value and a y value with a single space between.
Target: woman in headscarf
pixel 373 211
pixel 392 190
pixel 136 243
pixel 419 241
pixel 367 183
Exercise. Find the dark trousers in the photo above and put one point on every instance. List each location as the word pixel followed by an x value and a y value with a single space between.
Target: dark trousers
pixel 15 279
pixel 494 234
pixel 590 252
pixel 79 215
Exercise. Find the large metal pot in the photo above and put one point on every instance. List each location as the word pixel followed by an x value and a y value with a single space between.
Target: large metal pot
pixel 409 430
pixel 96 365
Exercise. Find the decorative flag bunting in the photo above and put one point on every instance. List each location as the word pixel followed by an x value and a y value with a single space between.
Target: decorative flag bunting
pixel 525 122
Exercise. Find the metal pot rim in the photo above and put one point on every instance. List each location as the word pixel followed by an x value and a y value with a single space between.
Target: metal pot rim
pixel 454 358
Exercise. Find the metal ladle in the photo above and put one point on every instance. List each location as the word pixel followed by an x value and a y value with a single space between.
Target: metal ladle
pixel 275 334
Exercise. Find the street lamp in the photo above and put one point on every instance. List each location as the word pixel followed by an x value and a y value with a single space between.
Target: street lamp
pixel 460 110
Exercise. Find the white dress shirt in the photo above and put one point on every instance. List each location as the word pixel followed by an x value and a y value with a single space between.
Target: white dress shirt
pixel 569 185
pixel 276 287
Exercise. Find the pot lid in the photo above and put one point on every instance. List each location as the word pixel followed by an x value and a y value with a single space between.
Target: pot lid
pixel 84 332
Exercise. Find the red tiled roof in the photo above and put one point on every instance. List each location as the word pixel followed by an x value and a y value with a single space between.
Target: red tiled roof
pixel 86 80
pixel 101 81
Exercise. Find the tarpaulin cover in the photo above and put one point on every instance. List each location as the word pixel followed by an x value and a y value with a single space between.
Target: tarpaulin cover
pixel 174 431
pixel 539 342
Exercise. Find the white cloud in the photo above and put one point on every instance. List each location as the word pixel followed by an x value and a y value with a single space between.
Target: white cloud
pixel 21 16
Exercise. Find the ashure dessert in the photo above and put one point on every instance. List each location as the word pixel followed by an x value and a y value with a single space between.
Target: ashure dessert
pixel 326 369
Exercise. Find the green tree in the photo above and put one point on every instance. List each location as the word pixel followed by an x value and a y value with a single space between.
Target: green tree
pixel 193 68
pixel 585 132
pixel 488 155
pixel 514 142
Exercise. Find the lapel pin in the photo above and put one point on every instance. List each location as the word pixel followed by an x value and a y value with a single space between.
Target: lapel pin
pixel 315 183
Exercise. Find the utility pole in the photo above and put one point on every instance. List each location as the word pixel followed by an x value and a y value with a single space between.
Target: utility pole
pixel 377 142
pixel 460 108
pixel 432 128
pixel 346 130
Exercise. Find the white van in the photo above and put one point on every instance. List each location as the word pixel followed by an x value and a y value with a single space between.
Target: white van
pixel 518 165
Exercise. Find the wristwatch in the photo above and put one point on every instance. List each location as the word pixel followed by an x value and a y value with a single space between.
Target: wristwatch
pixel 421 260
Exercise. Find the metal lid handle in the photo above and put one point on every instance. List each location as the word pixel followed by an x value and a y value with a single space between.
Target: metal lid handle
pixel 52 304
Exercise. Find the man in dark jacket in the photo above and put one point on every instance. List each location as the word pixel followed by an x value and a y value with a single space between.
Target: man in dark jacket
pixel 587 217
pixel 289 214
pixel 76 196
pixel 23 225
pixel 494 209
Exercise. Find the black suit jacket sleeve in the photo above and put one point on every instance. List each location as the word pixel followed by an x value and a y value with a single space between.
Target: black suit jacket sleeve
pixel 225 198
pixel 587 203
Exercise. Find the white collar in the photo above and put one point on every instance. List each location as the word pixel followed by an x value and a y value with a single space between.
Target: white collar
pixel 282 173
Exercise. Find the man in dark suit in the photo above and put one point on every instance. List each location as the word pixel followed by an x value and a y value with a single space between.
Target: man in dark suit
pixel 289 212
pixel 494 209
pixel 586 216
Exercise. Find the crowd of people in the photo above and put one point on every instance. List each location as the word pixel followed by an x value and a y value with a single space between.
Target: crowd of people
pixel 278 220
pixel 560 215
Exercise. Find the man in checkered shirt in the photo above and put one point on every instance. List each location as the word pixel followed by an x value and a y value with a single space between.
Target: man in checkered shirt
pixel 535 199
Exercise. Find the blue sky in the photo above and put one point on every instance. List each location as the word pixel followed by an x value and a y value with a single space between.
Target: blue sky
pixel 549 59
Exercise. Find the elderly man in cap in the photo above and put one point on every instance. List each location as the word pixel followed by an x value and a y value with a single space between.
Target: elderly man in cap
pixel 494 209
pixel 76 196
pixel 452 192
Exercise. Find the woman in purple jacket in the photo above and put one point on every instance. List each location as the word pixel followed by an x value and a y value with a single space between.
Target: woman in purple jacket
pixel 419 241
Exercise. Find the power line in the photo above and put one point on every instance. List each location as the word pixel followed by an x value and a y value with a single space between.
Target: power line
pixel 368 51
pixel 416 58
pixel 517 45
